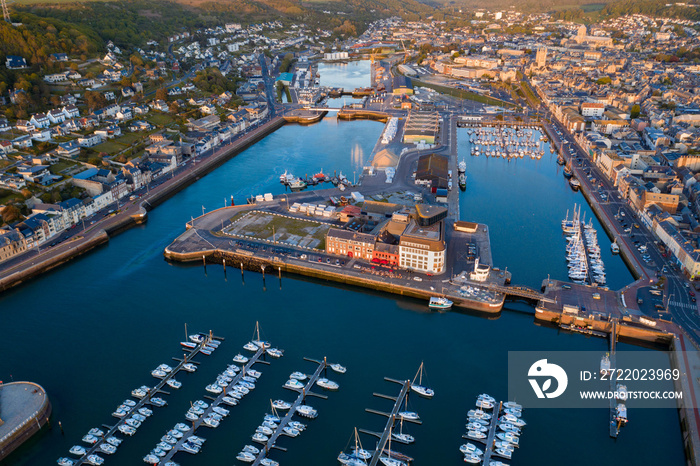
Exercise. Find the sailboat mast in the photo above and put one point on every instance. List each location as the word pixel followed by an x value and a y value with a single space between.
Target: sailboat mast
pixel 186 337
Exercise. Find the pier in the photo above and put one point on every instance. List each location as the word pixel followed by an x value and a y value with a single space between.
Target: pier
pixel 303 393
pixel 614 426
pixel 94 449
pixel 384 436
pixel 491 438
pixel 214 403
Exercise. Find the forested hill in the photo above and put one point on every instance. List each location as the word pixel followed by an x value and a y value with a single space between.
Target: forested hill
pixel 37 38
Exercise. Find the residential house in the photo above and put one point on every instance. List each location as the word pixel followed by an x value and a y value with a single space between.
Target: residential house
pixel 12 244
pixel 13 62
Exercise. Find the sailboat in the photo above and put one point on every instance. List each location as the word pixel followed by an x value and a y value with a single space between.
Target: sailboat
pixel 358 457
pixel 419 388
pixel 388 460
pixel 401 437
pixel 257 341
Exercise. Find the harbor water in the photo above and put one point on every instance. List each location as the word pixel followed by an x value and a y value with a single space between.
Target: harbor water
pixel 523 201
pixel 92 330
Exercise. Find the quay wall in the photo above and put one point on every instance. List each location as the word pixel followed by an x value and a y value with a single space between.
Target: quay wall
pixel 359 114
pixel 305 120
pixel 249 262
pixel 31 425
pixel 54 260
pixel 624 330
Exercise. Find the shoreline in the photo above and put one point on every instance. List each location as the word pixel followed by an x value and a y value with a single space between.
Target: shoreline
pixel 134 213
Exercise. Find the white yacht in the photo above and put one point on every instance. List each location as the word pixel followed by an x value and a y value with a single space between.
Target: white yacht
pixel 472 458
pixel 78 450
pixel 172 383
pixel 294 383
pixel 297 376
pixel 251 449
pixel 107 448
pixel 476 435
pixel 509 437
pixel 281 404
pixel 512 405
pixel 260 438
pixel 470 448
pixel 327 384
pixel 338 368
pixel 240 359
pixel 250 346
pixel 275 353
pixel 483 404
pixel 214 388
pixel 65 462
pixel 410 415
pixel 291 431
pixel 307 411
pixel 95 460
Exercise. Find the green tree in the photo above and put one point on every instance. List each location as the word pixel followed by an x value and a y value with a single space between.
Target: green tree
pixel 635 111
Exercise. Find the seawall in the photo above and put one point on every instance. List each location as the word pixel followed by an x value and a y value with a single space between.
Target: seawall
pixel 54 259
pixel 275 266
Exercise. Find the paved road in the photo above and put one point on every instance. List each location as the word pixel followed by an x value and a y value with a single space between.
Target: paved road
pixel 628 229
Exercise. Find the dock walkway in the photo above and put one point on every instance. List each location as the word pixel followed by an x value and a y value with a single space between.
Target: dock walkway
pixel 303 393
pixel 405 386
pixel 614 429
pixel 491 438
pixel 177 447
pixel 94 449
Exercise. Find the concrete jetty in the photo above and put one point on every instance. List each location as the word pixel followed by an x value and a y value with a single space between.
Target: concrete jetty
pixel 24 409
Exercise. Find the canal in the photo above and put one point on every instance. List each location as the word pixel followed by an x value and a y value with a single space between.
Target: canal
pixel 92 331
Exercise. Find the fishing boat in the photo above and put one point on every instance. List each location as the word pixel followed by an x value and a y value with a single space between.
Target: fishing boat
pixel 418 387
pixel 437 302
pixel 462 166
pixel 297 184
pixel 462 181
pixel 567 172
pixel 575 184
